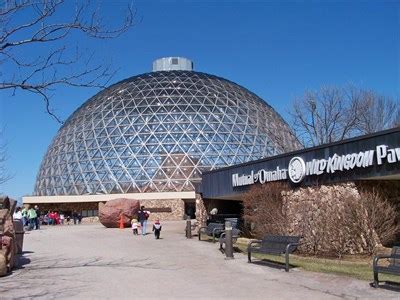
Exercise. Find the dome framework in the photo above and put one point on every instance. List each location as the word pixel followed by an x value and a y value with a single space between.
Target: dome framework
pixel 158 132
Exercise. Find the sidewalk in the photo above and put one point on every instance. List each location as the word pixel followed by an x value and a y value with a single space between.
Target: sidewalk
pixel 90 261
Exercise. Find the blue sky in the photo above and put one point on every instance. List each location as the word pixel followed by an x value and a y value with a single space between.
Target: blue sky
pixel 275 49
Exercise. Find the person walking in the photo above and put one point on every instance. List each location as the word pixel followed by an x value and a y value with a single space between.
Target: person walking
pixel 143 215
pixel 32 218
pixel 135 226
pixel 75 217
pixel 37 220
pixel 24 213
pixel 157 229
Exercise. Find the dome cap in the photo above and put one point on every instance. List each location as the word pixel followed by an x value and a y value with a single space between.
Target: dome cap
pixel 172 64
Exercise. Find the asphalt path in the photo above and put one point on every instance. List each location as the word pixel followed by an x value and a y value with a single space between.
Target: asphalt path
pixel 90 261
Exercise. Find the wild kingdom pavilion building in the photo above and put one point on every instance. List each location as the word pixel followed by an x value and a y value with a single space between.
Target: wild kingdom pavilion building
pixel 150 137
pixel 370 160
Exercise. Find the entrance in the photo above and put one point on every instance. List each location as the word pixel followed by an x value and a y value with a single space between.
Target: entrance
pixel 190 209
pixel 220 210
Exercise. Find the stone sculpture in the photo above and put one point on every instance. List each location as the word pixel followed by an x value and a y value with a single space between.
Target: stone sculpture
pixel 8 248
pixel 110 213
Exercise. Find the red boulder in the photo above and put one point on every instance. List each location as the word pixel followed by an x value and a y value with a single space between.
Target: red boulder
pixel 110 213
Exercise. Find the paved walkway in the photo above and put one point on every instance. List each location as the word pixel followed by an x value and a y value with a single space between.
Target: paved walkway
pixel 90 261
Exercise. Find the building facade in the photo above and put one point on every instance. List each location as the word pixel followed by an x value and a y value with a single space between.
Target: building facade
pixel 365 161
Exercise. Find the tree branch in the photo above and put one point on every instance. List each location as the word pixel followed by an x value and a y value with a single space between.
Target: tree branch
pixel 53 34
pixel 333 114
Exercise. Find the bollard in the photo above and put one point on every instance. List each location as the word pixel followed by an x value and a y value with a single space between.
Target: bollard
pixel 188 228
pixel 19 235
pixel 228 240
pixel 121 222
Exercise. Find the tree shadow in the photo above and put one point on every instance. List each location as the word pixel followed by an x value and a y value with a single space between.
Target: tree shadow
pixel 27 285
pixel 54 277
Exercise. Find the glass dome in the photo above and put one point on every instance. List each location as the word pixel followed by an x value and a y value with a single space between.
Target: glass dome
pixel 158 132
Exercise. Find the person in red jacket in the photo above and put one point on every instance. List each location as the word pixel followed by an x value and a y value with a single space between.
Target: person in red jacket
pixel 51 217
pixel 56 218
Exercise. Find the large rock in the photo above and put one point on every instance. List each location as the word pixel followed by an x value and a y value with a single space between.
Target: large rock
pixel 110 212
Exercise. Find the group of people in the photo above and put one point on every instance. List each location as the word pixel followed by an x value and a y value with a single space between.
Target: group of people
pixel 32 218
pixel 55 218
pixel 141 222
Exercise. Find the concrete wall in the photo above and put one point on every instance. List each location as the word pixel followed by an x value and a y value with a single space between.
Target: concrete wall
pixel 177 207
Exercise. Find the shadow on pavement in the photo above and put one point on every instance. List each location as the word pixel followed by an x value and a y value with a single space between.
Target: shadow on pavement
pixel 390 286
pixel 56 286
pixel 272 264
pixel 22 261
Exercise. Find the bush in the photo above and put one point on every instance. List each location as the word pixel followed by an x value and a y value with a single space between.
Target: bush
pixel 382 216
pixel 338 220
pixel 263 209
pixel 333 220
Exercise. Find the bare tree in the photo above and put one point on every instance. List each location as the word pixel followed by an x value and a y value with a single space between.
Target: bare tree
pixel 377 112
pixel 396 122
pixel 325 116
pixel 4 174
pixel 333 114
pixel 53 28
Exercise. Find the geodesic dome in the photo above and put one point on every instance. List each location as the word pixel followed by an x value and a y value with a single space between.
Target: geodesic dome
pixel 158 132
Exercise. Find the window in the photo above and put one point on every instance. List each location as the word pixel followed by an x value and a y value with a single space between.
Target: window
pixel 174 61
pixel 90 213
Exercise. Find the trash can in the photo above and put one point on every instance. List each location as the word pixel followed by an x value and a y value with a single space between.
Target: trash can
pixel 19 235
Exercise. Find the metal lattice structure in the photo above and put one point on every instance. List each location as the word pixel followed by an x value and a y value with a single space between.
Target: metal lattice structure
pixel 158 132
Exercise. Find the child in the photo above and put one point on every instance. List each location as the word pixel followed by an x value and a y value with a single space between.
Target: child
pixel 134 223
pixel 157 228
pixel 62 217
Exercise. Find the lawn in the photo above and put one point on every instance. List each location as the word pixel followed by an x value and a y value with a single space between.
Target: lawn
pixel 359 267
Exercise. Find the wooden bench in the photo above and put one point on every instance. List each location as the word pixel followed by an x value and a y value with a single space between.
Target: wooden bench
pixel 393 267
pixel 275 245
pixel 212 229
